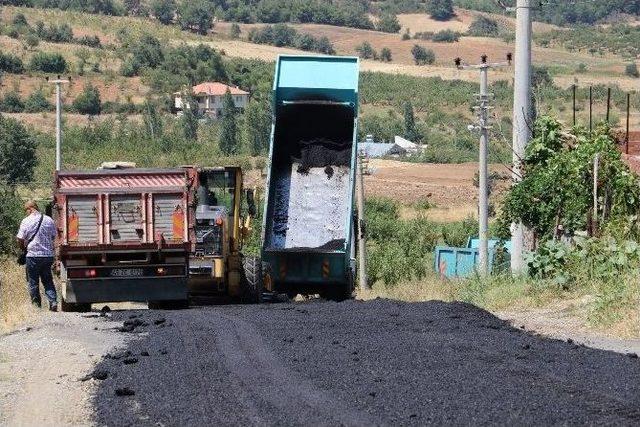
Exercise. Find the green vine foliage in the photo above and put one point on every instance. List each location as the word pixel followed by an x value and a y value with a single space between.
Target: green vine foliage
pixel 558 184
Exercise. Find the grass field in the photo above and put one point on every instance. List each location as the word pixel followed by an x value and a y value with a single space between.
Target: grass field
pixel 15 307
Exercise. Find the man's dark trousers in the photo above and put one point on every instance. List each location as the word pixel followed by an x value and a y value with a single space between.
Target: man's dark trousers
pixel 39 268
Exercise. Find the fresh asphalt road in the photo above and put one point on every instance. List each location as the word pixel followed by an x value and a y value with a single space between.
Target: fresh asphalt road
pixel 356 363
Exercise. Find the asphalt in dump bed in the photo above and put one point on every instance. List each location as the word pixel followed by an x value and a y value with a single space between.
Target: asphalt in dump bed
pixel 359 363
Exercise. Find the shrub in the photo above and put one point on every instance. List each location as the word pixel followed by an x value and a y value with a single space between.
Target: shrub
pixel 385 54
pixel 423 56
pixel 442 10
pixel 365 51
pixel 10 63
pixel 48 62
pixel 88 102
pixel 19 20
pixel 484 27
pixel 446 36
pixel 631 70
pixel 37 103
pixel 406 35
pixel 388 23
pixel 164 10
pixel 91 41
pixel 12 103
pixel 234 31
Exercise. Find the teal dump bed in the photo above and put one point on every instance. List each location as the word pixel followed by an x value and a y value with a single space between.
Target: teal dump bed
pixel 308 221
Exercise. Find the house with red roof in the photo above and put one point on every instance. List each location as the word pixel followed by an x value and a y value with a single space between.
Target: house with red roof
pixel 209 97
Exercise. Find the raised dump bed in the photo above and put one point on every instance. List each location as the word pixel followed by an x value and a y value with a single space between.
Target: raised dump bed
pixel 308 223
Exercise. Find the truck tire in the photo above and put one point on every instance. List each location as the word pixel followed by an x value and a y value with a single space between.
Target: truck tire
pixel 70 307
pixel 252 285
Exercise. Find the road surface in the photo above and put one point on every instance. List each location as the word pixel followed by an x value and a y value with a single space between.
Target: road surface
pixel 378 362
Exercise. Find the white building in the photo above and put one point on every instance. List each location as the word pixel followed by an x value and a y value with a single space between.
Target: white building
pixel 209 96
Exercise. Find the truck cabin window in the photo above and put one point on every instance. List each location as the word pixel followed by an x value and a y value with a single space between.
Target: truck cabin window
pixel 217 188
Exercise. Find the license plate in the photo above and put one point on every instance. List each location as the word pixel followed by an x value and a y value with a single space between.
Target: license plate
pixel 127 272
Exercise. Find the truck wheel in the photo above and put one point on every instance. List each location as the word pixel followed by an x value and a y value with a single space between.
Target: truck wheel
pixel 252 280
pixel 71 307
pixel 168 305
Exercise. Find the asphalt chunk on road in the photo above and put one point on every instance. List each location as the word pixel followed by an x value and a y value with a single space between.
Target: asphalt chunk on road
pixel 378 362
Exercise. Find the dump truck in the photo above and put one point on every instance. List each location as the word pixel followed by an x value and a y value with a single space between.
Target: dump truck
pixel 151 235
pixel 308 239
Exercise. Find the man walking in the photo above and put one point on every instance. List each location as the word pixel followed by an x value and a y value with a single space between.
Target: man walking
pixel 36 236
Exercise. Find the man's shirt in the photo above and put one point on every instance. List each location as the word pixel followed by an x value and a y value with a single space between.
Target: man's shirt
pixel 42 243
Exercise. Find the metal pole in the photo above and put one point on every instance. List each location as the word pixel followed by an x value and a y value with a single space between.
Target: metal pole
pixel 596 167
pixel 58 127
pixel 574 105
pixel 626 140
pixel 362 243
pixel 483 190
pixel 521 116
pixel 608 103
pixel 590 109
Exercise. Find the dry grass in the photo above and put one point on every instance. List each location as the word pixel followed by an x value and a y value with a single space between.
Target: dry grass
pixel 15 306
pixel 549 309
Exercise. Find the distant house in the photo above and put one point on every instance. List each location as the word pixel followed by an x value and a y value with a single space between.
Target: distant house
pixel 373 149
pixel 209 97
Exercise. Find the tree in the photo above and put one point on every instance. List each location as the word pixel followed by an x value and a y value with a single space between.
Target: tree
pixel 324 45
pixel 12 103
pixel 228 126
pixel 48 62
pixel 234 31
pixel 10 215
pixel 441 10
pixel 31 41
pixel 152 120
pixel 88 102
pixel 257 126
pixel 484 27
pixel 11 63
pixel 388 23
pixel 631 70
pixel 196 16
pixel 17 152
pixel 164 10
pixel 385 54
pixel 410 130
pixel 37 102
pixel 189 120
pixel 423 56
pixel 365 51
pixel 134 7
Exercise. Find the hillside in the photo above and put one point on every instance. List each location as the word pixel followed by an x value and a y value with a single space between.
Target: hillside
pixel 442 95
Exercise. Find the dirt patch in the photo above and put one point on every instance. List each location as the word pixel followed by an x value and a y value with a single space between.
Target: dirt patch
pixel 445 185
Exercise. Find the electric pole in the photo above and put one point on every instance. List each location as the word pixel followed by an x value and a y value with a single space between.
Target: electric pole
pixel 521 116
pixel 58 82
pixel 483 173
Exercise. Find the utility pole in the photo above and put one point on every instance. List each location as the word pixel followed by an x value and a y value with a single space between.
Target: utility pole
pixel 483 173
pixel 362 243
pixel 58 82
pixel 521 116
